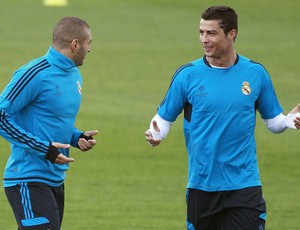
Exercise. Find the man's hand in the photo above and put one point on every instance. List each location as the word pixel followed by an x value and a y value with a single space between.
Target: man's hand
pixel 61 158
pixel 296 109
pixel 294 113
pixel 153 137
pixel 86 141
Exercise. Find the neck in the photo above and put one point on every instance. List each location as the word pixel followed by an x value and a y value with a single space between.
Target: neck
pixel 227 61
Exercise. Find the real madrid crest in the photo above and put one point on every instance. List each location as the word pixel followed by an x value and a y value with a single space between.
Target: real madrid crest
pixel 246 89
pixel 79 87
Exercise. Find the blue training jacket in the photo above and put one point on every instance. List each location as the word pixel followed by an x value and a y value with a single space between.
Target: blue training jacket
pixel 37 107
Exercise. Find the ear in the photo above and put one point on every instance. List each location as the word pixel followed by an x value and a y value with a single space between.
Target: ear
pixel 74 45
pixel 232 34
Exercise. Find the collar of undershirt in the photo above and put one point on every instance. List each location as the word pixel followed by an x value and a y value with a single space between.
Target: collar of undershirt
pixel 217 67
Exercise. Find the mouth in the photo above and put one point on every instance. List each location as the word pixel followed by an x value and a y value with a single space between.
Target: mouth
pixel 207 48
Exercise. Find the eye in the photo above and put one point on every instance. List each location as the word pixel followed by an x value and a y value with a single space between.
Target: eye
pixel 211 33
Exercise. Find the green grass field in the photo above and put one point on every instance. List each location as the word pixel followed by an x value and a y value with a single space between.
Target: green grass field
pixel 123 184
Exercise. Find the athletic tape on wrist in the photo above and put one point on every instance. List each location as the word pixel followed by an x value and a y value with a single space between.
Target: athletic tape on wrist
pixel 86 137
pixel 52 154
pixel 289 121
pixel 156 135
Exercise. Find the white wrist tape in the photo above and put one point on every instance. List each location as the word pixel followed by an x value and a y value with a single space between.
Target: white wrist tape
pixel 281 122
pixel 289 120
pixel 163 125
pixel 156 135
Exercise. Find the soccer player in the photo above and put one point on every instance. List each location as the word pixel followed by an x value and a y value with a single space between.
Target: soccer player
pixel 220 94
pixel 38 109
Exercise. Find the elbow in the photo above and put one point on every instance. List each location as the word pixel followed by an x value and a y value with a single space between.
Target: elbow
pixel 276 131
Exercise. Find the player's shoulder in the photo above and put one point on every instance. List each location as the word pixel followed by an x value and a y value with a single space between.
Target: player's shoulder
pixel 33 67
pixel 250 63
pixel 189 67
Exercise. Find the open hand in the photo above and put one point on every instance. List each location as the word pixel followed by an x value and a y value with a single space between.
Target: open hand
pixel 61 158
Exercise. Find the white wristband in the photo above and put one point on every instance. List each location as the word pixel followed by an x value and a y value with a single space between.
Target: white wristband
pixel 156 135
pixel 289 120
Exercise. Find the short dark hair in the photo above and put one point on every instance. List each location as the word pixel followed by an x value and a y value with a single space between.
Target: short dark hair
pixel 227 17
pixel 67 29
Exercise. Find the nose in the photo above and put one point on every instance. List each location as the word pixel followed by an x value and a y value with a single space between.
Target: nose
pixel 203 38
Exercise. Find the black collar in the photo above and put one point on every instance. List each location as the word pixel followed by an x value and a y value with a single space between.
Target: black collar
pixel 207 63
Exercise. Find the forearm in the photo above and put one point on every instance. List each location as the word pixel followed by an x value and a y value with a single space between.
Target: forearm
pixel 163 125
pixel 281 122
pixel 14 134
pixel 75 137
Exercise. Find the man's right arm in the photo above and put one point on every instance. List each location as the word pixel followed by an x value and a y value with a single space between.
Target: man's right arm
pixel 14 134
pixel 159 129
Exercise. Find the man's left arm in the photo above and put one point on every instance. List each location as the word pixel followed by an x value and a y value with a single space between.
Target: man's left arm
pixel 84 140
pixel 282 122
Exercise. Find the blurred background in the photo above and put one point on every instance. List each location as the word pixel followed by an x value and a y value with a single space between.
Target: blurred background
pixel 123 183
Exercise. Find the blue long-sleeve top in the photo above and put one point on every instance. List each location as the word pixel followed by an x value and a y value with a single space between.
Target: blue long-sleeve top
pixel 39 106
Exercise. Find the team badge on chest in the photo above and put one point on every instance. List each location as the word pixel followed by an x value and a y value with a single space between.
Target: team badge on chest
pixel 79 87
pixel 246 89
